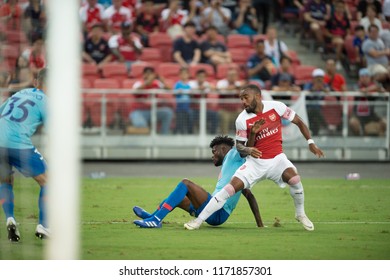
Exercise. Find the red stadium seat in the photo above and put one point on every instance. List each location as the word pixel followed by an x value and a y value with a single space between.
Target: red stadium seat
pixel 164 43
pixel 222 69
pixel 138 68
pixel 95 101
pixel 152 55
pixel 207 67
pixel 238 41
pixel 303 74
pixel 128 83
pixel 220 38
pixel 240 56
pixel 169 70
pixel 10 54
pixel 90 72
pixel 15 37
pixel 115 70
pixel 294 57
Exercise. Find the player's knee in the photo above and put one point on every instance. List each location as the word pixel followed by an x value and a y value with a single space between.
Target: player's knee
pixel 41 179
pixel 230 189
pixel 186 182
pixel 294 180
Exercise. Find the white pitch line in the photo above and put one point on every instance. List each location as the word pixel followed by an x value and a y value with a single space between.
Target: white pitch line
pixel 267 222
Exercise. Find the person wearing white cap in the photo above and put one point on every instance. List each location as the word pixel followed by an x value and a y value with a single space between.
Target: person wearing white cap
pixel 317 86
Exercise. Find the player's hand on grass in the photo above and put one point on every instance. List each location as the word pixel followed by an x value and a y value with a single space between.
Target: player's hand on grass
pixel 317 151
pixel 257 126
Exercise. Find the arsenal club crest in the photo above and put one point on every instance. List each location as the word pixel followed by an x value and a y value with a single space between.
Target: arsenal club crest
pixel 272 117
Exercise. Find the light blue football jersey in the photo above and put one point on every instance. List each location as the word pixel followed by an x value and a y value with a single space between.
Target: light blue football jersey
pixel 20 117
pixel 230 164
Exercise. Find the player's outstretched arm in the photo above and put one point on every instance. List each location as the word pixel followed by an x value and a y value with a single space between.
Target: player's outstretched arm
pixel 254 206
pixel 306 133
pixel 246 151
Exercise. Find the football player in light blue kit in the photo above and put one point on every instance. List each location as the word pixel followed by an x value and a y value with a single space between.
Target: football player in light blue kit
pixel 193 198
pixel 20 116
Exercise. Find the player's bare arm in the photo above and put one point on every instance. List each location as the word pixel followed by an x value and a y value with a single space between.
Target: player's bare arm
pixel 254 206
pixel 306 133
pixel 254 130
pixel 246 151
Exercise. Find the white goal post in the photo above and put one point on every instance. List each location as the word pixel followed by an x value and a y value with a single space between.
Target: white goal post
pixel 64 61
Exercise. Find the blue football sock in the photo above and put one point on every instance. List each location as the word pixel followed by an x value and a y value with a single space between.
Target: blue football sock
pixel 7 199
pixel 42 206
pixel 172 201
pixel 158 209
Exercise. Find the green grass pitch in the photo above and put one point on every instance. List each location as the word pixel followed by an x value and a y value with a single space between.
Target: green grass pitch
pixel 352 221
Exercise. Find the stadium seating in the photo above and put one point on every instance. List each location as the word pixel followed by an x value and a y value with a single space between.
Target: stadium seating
pixel 15 37
pixel 222 69
pixel 294 57
pixel 207 67
pixel 94 101
pixel 168 70
pixel 115 70
pixel 10 53
pixel 238 41
pixel 138 68
pixel 164 43
pixel 258 37
pixel 240 56
pixel 90 72
pixel 303 74
pixel 152 55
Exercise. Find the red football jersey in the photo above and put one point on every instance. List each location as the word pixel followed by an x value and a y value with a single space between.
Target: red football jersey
pixel 269 138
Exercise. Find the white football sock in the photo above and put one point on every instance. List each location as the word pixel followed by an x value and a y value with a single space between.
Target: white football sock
pixel 214 204
pixel 296 191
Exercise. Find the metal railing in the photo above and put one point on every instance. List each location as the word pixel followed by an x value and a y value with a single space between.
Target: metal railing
pixel 104 137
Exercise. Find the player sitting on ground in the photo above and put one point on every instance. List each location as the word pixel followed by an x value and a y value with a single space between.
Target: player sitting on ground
pixel 260 127
pixel 193 198
pixel 20 116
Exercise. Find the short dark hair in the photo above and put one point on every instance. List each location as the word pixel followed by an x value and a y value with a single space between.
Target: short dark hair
pixel 211 27
pixel 260 41
pixel 148 69
pixel 373 26
pixel 251 87
pixel 201 71
pixel 190 24
pixel 283 57
pixel 359 28
pixel 222 139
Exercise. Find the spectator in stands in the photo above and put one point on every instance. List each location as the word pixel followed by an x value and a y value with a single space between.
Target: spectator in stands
pixel 90 15
pixel 141 116
pixel 386 10
pixel 36 54
pixel 274 48
pixel 186 50
pixel 230 4
pixel 213 51
pixel 317 12
pixel 375 52
pixel 285 84
pixel 228 88
pixel 173 19
pixel 260 66
pixel 195 10
pixel 4 81
pixel 115 15
pixel 203 87
pixel 96 50
pixel 23 79
pixel 334 80
pixel 337 28
pixel 371 18
pixel 11 14
pixel 364 120
pixel 316 88
pixel 359 38
pixel 125 46
pixel 263 8
pixel 184 113
pixel 34 17
pixel 147 22
pixel 218 16
pixel 362 8
pixel 285 68
pixel 245 19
